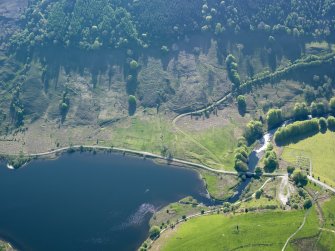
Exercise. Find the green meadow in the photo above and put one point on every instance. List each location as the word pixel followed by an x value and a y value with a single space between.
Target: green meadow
pixel 254 231
pixel 320 149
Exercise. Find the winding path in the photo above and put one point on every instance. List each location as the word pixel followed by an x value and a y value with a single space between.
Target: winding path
pixel 212 106
pixel 327 230
pixel 254 194
pixel 310 177
pixel 323 185
pixel 292 235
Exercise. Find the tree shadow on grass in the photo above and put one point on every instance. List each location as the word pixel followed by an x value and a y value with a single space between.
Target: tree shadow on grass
pixel 296 139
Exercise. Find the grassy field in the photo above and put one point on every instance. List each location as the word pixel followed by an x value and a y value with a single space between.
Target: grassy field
pixel 311 227
pixel 259 203
pixel 327 238
pixel 154 134
pixel 308 235
pixel 148 133
pixel 258 231
pixel 326 241
pixel 321 151
pixel 219 186
pixel 221 142
pixel 212 140
pixel 174 211
pixel 212 146
pixel 328 209
pixel 267 198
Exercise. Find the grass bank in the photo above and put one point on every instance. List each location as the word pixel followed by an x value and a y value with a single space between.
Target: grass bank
pixel 320 149
pixel 266 231
pixel 327 237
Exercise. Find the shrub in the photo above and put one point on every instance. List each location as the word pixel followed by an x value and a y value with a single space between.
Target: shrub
pixel 290 169
pixel 242 150
pixel 259 194
pixel 332 105
pixel 165 49
pixel 270 161
pixel 300 111
pixel 242 105
pixel 131 104
pixel 309 94
pixel 302 192
pixel 241 166
pixel 271 207
pixel 64 104
pixel 258 171
pixel 133 64
pixel 308 204
pixel 232 71
pixel 154 232
pixel 253 131
pixel 241 142
pixel 331 123
pixel 323 125
pixel 64 107
pixel 300 179
pixel 241 158
pixel 318 109
pixel 295 206
pixel 274 118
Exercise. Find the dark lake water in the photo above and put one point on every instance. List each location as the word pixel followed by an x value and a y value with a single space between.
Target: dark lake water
pixel 88 202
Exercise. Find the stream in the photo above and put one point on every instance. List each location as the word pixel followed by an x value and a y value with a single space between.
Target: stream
pixel 254 158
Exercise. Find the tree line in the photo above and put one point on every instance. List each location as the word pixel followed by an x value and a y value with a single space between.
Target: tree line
pixel 300 111
pixel 94 24
pixel 232 70
pixel 302 129
pixel 241 157
pixel 295 18
pixel 275 117
pixel 267 77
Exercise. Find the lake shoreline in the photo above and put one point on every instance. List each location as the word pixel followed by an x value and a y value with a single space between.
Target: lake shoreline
pixel 159 160
pixel 90 162
pixel 7 245
pixel 55 153
pixel 94 150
